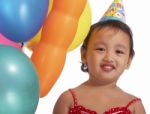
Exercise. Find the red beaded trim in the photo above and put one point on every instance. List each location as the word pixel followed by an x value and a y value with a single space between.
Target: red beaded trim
pixel 133 101
pixel 119 110
pixel 81 110
pixel 74 97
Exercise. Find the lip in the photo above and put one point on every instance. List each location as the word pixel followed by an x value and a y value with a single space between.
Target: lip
pixel 107 67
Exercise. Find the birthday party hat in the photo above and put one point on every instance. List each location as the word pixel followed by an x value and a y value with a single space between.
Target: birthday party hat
pixel 114 12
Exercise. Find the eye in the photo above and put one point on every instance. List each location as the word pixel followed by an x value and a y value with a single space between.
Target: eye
pixel 100 49
pixel 119 52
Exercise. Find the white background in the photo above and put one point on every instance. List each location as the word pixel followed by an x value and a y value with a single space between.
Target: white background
pixel 136 80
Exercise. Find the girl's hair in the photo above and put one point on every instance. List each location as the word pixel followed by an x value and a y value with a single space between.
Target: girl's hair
pixel 118 25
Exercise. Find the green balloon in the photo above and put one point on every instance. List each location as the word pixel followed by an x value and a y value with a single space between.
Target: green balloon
pixel 19 85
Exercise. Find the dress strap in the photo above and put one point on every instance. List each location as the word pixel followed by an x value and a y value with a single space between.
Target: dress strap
pixel 133 101
pixel 74 97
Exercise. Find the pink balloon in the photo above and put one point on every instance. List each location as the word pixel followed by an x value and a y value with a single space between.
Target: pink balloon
pixel 5 41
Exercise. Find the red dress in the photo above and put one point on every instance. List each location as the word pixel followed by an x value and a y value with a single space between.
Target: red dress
pixel 78 109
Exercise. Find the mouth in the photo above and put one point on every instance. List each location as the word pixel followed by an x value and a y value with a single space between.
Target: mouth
pixel 107 67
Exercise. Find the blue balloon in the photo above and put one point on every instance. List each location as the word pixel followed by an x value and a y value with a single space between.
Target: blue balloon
pixel 19 85
pixel 20 20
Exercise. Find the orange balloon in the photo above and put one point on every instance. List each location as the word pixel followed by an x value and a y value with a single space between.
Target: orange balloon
pixel 63 21
pixel 49 64
pixel 58 32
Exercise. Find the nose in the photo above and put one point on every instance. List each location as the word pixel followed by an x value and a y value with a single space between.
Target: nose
pixel 108 57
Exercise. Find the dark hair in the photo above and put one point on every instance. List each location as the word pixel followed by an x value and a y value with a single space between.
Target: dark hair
pixel 112 24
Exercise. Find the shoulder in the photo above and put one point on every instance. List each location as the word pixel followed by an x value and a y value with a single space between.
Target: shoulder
pixel 127 97
pixel 66 98
pixel 63 103
pixel 135 103
pixel 139 107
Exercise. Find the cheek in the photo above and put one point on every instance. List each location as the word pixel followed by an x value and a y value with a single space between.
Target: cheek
pixel 93 62
pixel 124 63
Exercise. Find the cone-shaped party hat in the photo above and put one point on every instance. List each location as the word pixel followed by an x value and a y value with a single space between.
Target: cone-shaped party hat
pixel 114 12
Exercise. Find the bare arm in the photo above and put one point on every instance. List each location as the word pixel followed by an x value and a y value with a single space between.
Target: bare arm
pixel 139 108
pixel 63 103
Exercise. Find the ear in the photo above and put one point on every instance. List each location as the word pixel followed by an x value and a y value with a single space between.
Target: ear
pixel 83 54
pixel 129 62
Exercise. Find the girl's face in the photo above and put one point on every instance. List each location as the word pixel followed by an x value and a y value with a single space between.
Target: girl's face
pixel 107 55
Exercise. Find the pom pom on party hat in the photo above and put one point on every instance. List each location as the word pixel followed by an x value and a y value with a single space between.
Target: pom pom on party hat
pixel 115 12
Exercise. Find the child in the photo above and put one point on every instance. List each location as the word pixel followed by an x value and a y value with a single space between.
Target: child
pixel 106 52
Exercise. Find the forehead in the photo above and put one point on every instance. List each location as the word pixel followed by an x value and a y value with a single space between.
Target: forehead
pixel 109 34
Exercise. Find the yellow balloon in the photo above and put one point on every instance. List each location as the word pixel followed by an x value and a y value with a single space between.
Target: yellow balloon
pixel 31 44
pixel 83 28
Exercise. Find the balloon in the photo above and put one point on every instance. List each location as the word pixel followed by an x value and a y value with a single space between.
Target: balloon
pixel 49 65
pixel 5 41
pixel 83 28
pixel 57 34
pixel 19 85
pixel 31 44
pixel 20 20
pixel 34 41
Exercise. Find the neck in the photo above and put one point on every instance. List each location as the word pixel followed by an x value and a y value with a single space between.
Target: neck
pixel 100 85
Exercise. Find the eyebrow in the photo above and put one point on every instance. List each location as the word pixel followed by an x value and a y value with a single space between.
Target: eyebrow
pixel 121 46
pixel 99 43
pixel 117 45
